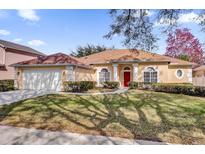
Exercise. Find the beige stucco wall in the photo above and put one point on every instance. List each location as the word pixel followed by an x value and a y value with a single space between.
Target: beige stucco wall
pixel 12 58
pixel 167 73
pixel 99 67
pixel 172 78
pixel 82 74
pixel 162 69
pixel 110 68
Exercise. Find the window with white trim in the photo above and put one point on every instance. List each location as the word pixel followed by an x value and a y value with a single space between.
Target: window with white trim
pixel 150 75
pixel 179 73
pixel 104 75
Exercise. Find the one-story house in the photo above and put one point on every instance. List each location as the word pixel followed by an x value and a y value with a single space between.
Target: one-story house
pixel 123 66
pixel 12 53
pixel 134 65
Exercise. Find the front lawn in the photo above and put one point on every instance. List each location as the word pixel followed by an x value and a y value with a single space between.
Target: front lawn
pixel 137 114
pixel 100 90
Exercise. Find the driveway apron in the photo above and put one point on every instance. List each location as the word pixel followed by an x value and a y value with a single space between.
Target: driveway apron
pixel 18 95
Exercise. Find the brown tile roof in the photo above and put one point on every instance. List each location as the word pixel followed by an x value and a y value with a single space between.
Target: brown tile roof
pixel 119 55
pixel 54 59
pixel 202 67
pixel 19 47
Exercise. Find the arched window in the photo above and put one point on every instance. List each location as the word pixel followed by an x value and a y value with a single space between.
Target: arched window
pixel 104 70
pixel 126 68
pixel 150 75
pixel 104 75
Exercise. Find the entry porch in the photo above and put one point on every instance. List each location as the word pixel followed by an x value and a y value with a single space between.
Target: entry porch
pixel 122 73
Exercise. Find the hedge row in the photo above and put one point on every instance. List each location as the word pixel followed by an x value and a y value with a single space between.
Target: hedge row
pixel 6 85
pixel 139 85
pixel 82 86
pixel 78 86
pixel 183 88
pixel 186 89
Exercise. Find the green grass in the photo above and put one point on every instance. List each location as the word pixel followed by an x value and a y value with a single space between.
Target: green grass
pixel 172 118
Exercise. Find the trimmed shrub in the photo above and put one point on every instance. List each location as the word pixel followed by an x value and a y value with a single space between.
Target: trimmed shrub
pixel 199 91
pixel 111 84
pixel 186 89
pixel 133 85
pixel 6 85
pixel 78 86
pixel 87 85
pixel 144 85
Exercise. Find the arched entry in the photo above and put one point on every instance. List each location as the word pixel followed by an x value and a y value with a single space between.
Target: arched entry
pixel 127 76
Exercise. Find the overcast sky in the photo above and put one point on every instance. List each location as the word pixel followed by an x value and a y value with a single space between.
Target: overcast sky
pixel 53 31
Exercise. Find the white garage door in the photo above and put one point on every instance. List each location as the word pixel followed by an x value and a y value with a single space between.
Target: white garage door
pixel 42 79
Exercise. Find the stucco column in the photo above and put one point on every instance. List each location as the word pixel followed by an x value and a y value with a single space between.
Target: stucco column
pixel 115 71
pixel 16 77
pixel 70 75
pixel 135 72
pixel 189 75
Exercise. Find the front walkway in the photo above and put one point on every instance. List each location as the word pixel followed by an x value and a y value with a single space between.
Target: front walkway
pixel 14 135
pixel 18 95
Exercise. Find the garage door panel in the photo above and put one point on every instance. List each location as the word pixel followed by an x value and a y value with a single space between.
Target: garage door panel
pixel 42 79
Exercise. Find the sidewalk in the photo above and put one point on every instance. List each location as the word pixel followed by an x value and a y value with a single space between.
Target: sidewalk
pixel 14 135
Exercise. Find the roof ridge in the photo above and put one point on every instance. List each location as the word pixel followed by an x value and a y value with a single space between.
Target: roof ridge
pixel 16 43
pixel 58 57
pixel 107 54
pixel 95 54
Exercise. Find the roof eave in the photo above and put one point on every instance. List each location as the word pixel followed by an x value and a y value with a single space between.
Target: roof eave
pixel 178 64
pixel 49 65
pixel 29 52
pixel 200 68
pixel 132 61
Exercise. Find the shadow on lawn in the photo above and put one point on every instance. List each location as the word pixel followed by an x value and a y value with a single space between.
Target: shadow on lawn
pixel 107 111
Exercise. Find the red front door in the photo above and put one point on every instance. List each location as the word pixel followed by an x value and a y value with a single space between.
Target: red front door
pixel 126 78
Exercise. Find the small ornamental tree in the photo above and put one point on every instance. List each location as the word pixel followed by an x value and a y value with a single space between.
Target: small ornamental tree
pixel 184 45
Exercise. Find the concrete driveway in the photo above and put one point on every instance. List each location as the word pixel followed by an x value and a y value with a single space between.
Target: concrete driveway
pixel 13 135
pixel 18 95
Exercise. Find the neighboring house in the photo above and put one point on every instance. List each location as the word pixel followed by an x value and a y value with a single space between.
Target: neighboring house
pixel 12 53
pixel 123 66
pixel 199 76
